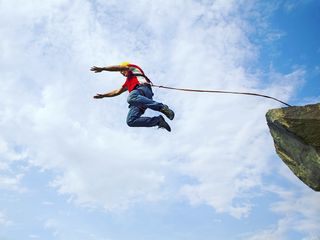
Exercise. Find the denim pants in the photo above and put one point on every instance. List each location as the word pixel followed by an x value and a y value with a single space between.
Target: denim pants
pixel 139 100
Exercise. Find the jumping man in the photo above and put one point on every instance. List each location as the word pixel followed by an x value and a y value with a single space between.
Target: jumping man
pixel 140 96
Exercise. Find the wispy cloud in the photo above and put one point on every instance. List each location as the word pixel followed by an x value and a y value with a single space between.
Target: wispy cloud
pixel 4 221
pixel 290 5
pixel 298 215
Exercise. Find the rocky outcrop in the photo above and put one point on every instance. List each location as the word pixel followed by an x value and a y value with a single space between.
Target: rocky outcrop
pixel 296 135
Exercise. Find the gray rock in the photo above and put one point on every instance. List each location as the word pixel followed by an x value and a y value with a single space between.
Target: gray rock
pixel 296 135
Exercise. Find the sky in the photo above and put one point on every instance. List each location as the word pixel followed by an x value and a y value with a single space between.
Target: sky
pixel 70 167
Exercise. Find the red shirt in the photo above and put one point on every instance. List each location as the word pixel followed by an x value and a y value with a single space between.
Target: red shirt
pixel 132 81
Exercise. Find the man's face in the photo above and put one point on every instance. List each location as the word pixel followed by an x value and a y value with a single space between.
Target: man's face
pixel 124 73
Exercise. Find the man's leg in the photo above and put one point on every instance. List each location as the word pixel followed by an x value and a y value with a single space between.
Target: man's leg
pixel 142 97
pixel 136 99
pixel 134 119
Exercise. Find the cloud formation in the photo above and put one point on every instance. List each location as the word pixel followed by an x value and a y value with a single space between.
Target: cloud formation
pixel 220 150
pixel 88 142
pixel 3 220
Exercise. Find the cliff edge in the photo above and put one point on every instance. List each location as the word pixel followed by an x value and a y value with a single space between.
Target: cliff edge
pixel 296 135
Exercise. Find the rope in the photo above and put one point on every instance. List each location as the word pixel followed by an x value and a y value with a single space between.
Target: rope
pixel 218 91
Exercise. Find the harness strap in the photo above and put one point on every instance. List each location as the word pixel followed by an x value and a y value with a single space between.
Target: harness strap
pixel 142 75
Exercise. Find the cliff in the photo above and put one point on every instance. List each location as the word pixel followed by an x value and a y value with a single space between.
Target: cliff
pixel 296 135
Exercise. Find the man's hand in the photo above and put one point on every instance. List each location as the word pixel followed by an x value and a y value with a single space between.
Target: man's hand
pixel 96 69
pixel 111 94
pixel 98 95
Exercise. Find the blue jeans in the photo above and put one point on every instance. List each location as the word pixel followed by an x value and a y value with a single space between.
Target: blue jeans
pixel 139 100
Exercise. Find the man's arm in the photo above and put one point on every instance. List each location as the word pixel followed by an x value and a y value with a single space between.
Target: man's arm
pixel 116 68
pixel 111 94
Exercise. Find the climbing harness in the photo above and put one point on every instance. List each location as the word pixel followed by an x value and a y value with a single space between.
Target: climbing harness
pixel 211 91
pixel 142 75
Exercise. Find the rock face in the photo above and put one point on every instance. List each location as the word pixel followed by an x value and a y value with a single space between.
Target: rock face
pixel 296 135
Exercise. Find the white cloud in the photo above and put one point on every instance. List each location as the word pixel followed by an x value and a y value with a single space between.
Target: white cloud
pixel 10 178
pixel 220 142
pixel 297 208
pixel 4 221
pixel 301 213
pixel 11 183
pixel 33 236
pixel 53 226
pixel 48 203
pixel 289 5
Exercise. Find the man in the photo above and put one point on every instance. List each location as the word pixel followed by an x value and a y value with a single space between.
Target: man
pixel 140 96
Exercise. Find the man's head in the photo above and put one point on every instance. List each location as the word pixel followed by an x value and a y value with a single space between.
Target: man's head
pixel 124 64
pixel 124 72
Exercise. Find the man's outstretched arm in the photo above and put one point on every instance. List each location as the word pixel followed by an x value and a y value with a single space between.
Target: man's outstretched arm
pixel 116 68
pixel 111 94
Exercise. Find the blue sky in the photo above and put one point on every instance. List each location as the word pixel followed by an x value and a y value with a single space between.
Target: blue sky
pixel 70 168
pixel 299 45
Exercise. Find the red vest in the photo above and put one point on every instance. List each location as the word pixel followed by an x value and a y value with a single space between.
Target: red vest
pixel 132 81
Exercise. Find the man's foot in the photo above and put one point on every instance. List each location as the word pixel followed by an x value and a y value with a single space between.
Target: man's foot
pixel 167 111
pixel 163 124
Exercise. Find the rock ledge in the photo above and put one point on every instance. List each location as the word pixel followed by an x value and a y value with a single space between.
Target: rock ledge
pixel 296 135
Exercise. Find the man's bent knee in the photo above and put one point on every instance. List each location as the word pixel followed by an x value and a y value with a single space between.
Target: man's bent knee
pixel 131 122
